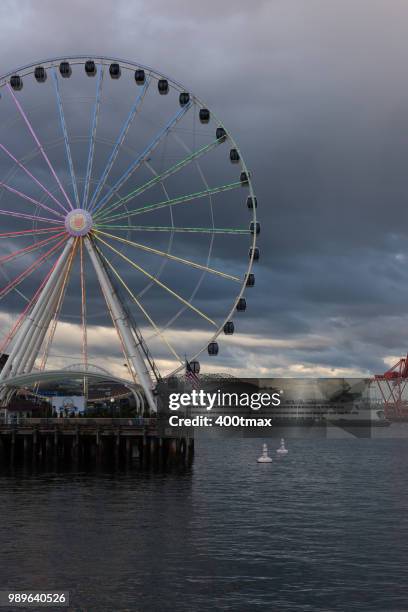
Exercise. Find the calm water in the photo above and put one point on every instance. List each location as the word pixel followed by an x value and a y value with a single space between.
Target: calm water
pixel 324 529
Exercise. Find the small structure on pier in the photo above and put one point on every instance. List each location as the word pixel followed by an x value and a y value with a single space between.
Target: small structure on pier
pixel 101 388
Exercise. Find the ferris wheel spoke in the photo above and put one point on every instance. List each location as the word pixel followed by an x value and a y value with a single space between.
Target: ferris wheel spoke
pixel 17 215
pixel 142 157
pixel 41 148
pixel 34 266
pixel 186 262
pixel 36 181
pixel 180 200
pixel 140 306
pixel 114 153
pixel 168 228
pixel 29 249
pixel 157 282
pixel 66 139
pixel 92 136
pixel 161 177
pixel 28 198
pixel 29 232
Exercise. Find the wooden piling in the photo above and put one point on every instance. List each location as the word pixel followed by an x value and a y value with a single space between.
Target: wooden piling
pixel 92 442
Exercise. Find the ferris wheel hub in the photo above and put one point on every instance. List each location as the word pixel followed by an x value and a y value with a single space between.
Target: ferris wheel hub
pixel 78 222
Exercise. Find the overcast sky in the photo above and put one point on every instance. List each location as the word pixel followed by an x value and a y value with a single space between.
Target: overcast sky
pixel 316 94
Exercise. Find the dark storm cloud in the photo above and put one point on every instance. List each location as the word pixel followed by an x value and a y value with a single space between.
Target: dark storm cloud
pixel 315 92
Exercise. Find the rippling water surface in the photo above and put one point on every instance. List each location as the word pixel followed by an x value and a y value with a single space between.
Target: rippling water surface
pixel 326 528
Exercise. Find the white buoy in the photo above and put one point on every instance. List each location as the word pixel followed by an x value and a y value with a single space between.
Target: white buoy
pixel 282 450
pixel 264 458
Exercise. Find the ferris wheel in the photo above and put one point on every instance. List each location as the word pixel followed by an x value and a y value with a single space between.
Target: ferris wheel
pixel 124 203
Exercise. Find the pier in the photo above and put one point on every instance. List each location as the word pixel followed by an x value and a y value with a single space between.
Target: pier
pixel 94 441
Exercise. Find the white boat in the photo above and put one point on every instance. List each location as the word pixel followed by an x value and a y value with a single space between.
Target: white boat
pixel 282 450
pixel 264 458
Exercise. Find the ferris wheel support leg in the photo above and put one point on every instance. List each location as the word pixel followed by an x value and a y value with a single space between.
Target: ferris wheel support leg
pixel 133 353
pixel 8 396
pixel 28 327
pixel 35 345
pixel 27 361
pixel 40 313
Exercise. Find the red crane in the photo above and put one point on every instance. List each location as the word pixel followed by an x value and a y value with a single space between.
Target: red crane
pixel 392 387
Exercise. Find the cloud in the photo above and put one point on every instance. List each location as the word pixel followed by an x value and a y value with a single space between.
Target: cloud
pixel 316 95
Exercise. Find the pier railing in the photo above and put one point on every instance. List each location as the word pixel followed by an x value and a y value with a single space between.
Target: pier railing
pixel 152 426
pixel 67 421
pixel 84 421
